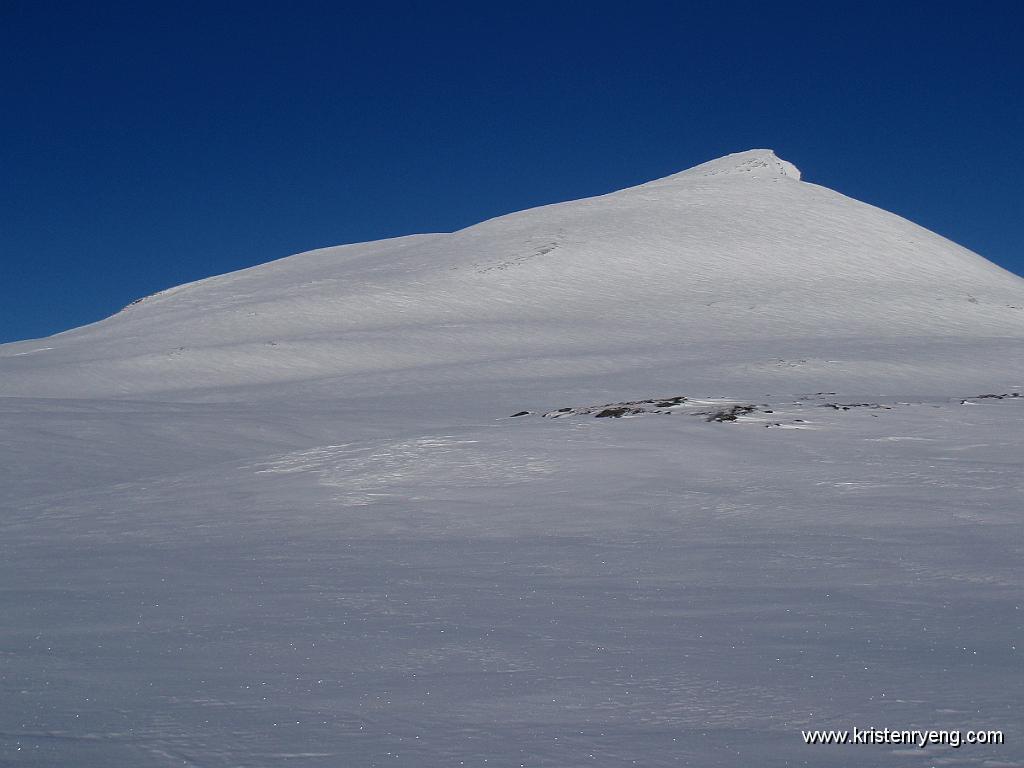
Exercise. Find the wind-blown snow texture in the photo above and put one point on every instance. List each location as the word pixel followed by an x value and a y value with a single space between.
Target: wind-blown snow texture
pixel 282 516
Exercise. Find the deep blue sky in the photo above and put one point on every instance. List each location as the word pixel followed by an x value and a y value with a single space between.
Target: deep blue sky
pixel 147 144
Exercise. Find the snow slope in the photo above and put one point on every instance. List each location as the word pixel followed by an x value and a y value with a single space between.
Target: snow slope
pixel 736 250
pixel 284 515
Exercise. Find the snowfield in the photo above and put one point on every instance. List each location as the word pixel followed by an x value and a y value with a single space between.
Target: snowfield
pixel 656 478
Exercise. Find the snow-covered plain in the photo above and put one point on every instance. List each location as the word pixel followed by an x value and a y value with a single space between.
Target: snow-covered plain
pixel 285 516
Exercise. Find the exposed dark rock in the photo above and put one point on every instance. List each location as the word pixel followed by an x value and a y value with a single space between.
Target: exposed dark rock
pixel 990 396
pixel 848 406
pixel 614 413
pixel 731 414
pixel 669 402
pixel 618 410
pixel 521 413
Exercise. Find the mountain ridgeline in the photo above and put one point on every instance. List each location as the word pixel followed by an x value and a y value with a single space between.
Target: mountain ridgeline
pixel 735 251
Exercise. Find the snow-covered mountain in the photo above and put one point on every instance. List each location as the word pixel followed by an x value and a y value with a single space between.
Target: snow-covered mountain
pixel 661 477
pixel 737 250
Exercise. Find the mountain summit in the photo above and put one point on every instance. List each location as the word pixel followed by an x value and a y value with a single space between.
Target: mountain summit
pixel 756 163
pixel 737 250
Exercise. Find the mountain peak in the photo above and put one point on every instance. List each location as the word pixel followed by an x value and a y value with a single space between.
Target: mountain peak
pixel 732 252
pixel 757 163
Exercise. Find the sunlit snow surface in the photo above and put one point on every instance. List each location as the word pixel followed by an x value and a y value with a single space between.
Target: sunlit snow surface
pixel 283 516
